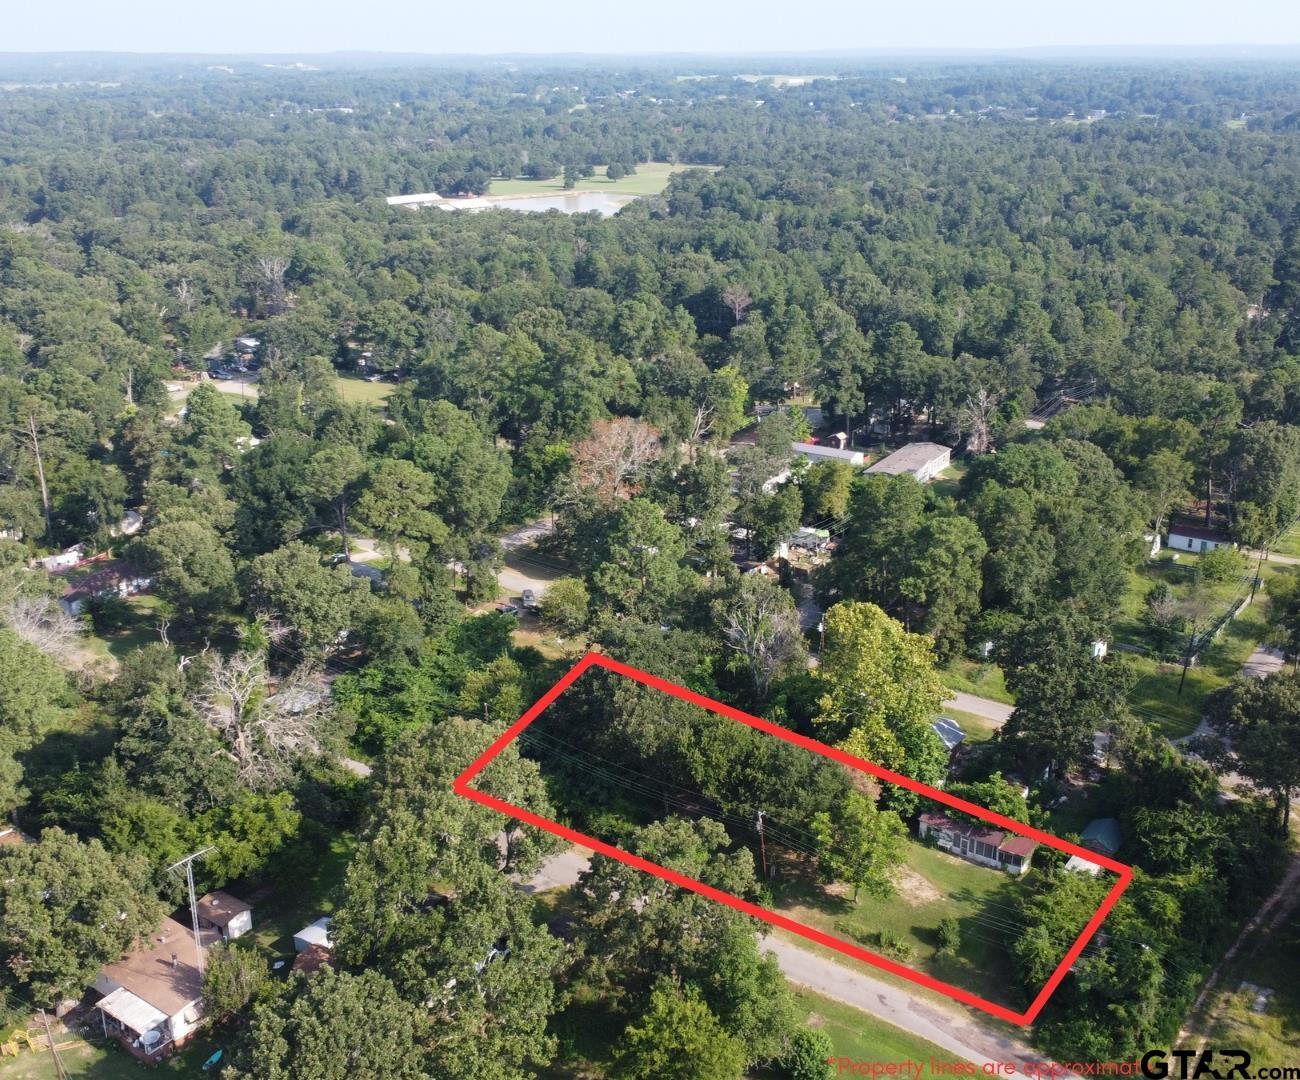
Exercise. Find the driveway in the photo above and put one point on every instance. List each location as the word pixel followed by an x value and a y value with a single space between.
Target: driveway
pixel 958 1034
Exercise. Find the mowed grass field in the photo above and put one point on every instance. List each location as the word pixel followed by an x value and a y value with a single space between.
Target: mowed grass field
pixel 931 887
pixel 649 179
pixel 357 391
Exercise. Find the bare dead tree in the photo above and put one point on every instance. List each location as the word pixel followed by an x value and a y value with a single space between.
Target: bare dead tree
pixel 270 271
pixel 762 625
pixel 265 726
pixel 975 420
pixel 185 294
pixel 615 456
pixel 40 621
pixel 737 300
pixel 31 434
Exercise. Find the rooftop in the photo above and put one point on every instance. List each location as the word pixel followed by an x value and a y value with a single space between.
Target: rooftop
pixel 831 453
pixel 151 975
pixel 909 458
pixel 1104 835
pixel 1198 532
pixel 219 907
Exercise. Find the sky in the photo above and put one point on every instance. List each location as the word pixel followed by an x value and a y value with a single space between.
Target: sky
pixel 649 26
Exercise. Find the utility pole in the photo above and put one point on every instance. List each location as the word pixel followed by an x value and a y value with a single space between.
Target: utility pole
pixel 59 1070
pixel 762 844
pixel 188 864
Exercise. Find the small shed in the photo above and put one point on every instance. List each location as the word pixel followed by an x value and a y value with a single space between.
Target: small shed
pixel 226 914
pixel 317 933
pixel 1103 835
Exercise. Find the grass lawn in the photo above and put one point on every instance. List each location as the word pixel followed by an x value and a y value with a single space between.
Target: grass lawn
pixel 862 1037
pixel 587 1029
pixel 946 482
pixel 1271 1037
pixel 1156 695
pixel 288 908
pixel 355 390
pixel 1289 542
pixel 100 1061
pixel 982 680
pixel 1196 601
pixel 978 728
pixel 933 886
pixel 649 179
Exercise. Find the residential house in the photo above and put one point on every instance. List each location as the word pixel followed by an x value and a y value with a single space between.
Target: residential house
pixel 977 842
pixel 1103 836
pixel 152 999
pixel 815 453
pixel 119 578
pixel 65 560
pixel 1196 538
pixel 226 914
pixel 805 543
pixel 922 460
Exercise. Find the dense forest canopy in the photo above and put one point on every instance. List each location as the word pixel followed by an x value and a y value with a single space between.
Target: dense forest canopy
pixel 1083 276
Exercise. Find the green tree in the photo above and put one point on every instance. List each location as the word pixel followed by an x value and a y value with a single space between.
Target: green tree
pixel 211 431
pixel 1257 724
pixel 760 622
pixel 859 844
pixel 880 692
pixel 809 1056
pixel 396 504
pixel 66 909
pixel 565 606
pixel 334 477
pixel 336 1026
pixel 190 565
pixel 678 1038
pixel 232 978
pixel 319 604
pixel 640 570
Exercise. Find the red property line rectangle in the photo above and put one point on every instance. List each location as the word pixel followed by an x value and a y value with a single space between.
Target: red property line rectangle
pixel 461 786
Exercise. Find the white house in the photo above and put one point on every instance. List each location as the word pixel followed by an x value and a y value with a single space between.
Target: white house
pixel 815 453
pixel 923 460
pixel 115 579
pixel 1196 538
pixel 65 559
pixel 153 998
pixel 227 915
pixel 978 843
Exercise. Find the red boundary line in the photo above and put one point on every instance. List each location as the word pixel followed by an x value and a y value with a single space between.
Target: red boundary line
pixel 461 787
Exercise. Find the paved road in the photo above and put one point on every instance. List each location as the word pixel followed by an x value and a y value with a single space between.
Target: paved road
pixel 959 1035
pixel 896 1005
pixel 997 711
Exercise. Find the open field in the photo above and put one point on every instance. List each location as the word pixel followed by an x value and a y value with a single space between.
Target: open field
pixel 1156 695
pixel 982 680
pixel 932 886
pixel 649 179
pixel 97 1061
pixel 357 391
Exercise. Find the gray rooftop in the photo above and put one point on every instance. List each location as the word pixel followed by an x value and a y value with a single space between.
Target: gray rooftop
pixel 909 458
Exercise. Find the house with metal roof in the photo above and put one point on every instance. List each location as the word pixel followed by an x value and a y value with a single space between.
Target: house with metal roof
pixel 977 842
pixel 814 452
pixel 1196 538
pixel 922 460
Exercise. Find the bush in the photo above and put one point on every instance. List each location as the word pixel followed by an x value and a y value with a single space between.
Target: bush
pixel 1221 564
pixel 806 1060
pixel 949 937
